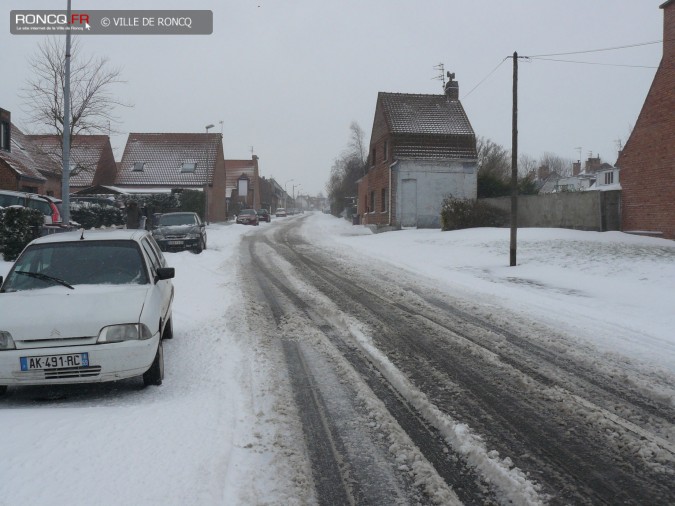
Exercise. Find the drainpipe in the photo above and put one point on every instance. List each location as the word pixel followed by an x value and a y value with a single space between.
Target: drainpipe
pixel 391 168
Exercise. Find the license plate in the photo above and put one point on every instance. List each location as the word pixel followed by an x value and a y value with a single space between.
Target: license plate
pixel 175 243
pixel 54 361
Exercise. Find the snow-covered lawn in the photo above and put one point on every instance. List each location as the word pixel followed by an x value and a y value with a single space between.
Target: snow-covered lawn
pixel 206 435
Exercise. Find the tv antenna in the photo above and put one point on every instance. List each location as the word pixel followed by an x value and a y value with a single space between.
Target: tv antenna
pixel 441 73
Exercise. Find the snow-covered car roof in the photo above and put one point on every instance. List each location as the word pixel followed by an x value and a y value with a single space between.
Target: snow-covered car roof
pixel 94 235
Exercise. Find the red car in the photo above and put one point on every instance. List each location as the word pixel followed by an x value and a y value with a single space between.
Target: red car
pixel 248 217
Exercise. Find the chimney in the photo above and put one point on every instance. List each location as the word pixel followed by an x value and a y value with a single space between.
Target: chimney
pixel 544 172
pixel 5 130
pixel 576 168
pixel 452 87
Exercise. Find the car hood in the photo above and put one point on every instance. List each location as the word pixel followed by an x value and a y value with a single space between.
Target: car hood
pixel 176 230
pixel 61 313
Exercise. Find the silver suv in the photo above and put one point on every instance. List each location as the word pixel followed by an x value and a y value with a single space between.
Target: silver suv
pixel 46 205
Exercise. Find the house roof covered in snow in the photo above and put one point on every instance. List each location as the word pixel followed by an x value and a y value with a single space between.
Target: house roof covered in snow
pixel 168 159
pixel 428 126
pixel 85 153
pixel 24 158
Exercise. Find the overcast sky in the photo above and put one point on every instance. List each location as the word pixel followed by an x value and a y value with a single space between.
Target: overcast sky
pixel 287 77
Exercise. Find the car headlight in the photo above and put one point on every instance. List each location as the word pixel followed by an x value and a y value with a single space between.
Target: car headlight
pixel 6 341
pixel 126 332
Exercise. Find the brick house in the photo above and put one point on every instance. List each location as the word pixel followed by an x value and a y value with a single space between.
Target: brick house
pixel 242 184
pixel 92 161
pixel 647 162
pixel 161 162
pixel 422 149
pixel 20 162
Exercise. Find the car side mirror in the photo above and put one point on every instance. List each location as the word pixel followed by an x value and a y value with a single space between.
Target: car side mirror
pixel 166 273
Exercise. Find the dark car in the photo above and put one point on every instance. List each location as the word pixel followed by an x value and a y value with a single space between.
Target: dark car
pixel 180 231
pixel 248 217
pixel 264 215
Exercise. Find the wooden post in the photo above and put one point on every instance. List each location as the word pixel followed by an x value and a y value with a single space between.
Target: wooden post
pixel 514 164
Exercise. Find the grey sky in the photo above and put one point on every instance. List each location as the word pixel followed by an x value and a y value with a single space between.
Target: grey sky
pixel 288 76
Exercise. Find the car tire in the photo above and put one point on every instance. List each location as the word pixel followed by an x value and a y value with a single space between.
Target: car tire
pixel 200 247
pixel 168 329
pixel 155 374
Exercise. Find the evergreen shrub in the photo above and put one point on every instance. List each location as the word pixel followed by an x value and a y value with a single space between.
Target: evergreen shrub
pixel 461 213
pixel 18 227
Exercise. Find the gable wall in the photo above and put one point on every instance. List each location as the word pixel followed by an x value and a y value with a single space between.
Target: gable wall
pixel 647 162
pixel 8 179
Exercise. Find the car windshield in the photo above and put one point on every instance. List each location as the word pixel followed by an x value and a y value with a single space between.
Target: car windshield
pixel 247 211
pixel 77 263
pixel 168 220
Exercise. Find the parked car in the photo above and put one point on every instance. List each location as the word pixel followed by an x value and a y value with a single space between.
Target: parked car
pixel 281 212
pixel 180 231
pixel 264 215
pixel 248 217
pixel 105 305
pixel 46 205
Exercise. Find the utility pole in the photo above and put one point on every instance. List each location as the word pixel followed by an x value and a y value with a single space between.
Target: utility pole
pixel 206 181
pixel 65 154
pixel 514 164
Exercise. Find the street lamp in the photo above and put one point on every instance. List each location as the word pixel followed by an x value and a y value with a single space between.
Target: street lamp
pixel 286 191
pixel 206 180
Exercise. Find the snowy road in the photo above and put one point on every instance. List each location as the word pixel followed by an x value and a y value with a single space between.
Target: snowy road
pixel 437 376
pixel 409 395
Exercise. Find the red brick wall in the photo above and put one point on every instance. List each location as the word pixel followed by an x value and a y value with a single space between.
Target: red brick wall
pixel 7 178
pixel 647 162
pixel 376 180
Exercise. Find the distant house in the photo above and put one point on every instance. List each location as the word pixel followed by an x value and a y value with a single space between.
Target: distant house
pixel 422 149
pixel 242 184
pixel 162 162
pixel 271 194
pixel 647 162
pixel 20 162
pixel 91 160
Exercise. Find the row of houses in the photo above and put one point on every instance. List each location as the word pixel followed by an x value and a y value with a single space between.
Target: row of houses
pixel 423 148
pixel 151 163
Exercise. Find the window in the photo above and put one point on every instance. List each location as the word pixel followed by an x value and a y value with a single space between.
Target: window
pixel 383 204
pixel 138 166
pixel 372 201
pixel 188 167
pixel 609 177
pixel 4 136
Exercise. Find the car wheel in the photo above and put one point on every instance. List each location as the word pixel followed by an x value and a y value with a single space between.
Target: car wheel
pixel 200 247
pixel 155 374
pixel 168 329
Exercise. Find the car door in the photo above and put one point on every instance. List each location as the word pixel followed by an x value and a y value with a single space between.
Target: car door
pixel 163 286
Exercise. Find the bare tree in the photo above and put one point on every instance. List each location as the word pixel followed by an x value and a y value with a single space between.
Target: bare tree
pixel 493 159
pixel 556 164
pixel 92 103
pixel 526 165
pixel 347 169
pixel 357 145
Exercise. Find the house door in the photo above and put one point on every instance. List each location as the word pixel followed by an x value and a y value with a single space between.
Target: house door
pixel 409 203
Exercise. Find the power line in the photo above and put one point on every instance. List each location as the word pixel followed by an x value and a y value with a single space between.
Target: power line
pixel 486 77
pixel 594 63
pixel 599 50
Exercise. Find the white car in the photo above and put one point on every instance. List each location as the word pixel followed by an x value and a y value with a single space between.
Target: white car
pixel 84 307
